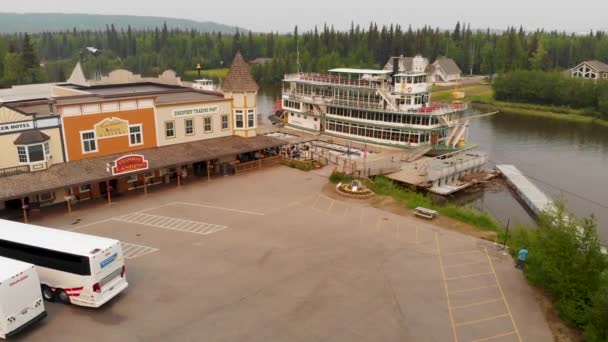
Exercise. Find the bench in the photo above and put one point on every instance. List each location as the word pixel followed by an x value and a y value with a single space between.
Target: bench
pixel 425 213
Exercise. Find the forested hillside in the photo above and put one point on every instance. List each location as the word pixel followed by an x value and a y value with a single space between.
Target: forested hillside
pixel 152 51
pixel 54 22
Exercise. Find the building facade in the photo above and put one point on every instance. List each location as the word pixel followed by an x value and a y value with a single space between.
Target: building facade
pixel 594 70
pixel 96 127
pixel 31 140
pixel 241 88
pixel 90 140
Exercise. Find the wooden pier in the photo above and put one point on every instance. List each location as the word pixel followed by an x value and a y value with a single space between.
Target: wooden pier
pixel 529 193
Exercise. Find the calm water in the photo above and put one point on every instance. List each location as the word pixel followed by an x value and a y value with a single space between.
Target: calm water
pixel 565 159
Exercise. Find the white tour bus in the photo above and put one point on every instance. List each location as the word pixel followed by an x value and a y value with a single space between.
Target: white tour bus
pixel 73 268
pixel 21 302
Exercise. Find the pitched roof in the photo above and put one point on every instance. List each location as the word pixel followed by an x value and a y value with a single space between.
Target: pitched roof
pixel 405 63
pixel 31 137
pixel 77 76
pixel 597 65
pixel 239 77
pixel 448 66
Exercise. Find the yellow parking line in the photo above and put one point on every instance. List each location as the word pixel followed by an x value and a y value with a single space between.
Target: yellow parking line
pixel 477 303
pixel 465 264
pixel 474 289
pixel 495 336
pixel 445 287
pixel 481 320
pixel 503 295
pixel 469 276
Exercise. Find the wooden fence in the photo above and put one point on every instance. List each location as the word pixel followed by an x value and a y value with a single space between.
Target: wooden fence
pixel 257 164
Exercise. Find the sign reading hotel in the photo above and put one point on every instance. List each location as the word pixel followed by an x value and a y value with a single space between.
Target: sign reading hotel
pixel 129 163
pixel 111 127
pixel 178 113
pixel 16 126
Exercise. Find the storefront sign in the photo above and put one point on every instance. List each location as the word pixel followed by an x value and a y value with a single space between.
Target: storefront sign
pixel 16 126
pixel 129 163
pixel 178 113
pixel 111 127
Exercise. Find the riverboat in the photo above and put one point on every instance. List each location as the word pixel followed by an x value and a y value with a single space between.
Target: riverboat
pixel 383 107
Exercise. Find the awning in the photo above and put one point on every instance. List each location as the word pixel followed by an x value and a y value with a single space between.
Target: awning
pixel 65 175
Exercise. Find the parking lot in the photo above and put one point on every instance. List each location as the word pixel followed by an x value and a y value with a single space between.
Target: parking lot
pixel 267 256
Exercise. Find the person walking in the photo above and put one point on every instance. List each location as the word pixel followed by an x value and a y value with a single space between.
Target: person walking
pixel 521 258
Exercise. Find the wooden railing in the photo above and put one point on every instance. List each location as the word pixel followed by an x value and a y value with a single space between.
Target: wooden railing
pixel 11 171
pixel 257 164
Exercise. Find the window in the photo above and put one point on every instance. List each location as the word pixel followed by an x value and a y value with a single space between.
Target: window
pixel 207 124
pixel 169 129
pixel 250 118
pixel 46 258
pixel 89 144
pixel 189 126
pixel 238 119
pixel 46 197
pixel 224 122
pixel 135 135
pixel 84 188
pixel 22 154
pixel 131 178
pixel 47 150
pixel 33 153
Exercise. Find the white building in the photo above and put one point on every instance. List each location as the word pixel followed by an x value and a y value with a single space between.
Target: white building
pixel 590 69
pixel 442 70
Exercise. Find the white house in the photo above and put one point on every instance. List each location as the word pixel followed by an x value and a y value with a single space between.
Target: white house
pixel 444 70
pixel 594 70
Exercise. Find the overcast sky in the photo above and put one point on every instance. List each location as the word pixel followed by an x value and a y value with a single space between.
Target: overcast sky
pixel 283 15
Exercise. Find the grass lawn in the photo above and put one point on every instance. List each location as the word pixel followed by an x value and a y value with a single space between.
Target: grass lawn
pixel 483 97
pixel 219 73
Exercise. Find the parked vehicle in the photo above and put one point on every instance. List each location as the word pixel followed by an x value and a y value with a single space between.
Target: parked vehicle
pixel 74 268
pixel 21 303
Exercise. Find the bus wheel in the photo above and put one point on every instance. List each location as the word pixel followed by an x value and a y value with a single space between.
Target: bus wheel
pixel 62 296
pixel 48 294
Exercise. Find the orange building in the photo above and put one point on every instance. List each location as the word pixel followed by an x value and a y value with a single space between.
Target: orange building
pixel 97 126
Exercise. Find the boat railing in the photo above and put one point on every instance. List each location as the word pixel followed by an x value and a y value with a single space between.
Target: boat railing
pixel 434 108
pixel 332 80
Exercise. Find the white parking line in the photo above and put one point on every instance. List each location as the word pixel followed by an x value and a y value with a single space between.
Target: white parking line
pixel 218 208
pixel 171 223
pixel 133 251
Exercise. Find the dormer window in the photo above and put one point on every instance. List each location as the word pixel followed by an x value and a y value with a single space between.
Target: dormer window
pixel 33 147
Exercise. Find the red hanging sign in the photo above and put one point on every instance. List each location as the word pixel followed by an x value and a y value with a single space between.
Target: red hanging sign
pixel 129 163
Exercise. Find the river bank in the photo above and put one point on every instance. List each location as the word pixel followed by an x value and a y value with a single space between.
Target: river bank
pixel 482 98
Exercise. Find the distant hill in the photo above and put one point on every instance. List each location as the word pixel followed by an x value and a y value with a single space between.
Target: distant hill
pixel 44 22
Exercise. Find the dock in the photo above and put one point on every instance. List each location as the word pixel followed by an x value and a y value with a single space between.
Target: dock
pixel 529 193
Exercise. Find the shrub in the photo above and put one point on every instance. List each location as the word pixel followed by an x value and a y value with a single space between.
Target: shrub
pixel 566 261
pixel 338 177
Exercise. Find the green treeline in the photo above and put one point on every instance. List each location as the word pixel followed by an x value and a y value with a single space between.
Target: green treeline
pixel 554 89
pixel 149 52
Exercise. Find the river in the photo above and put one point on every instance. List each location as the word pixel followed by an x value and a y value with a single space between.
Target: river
pixel 567 160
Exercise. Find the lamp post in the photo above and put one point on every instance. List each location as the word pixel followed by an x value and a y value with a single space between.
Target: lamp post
pixel 198 69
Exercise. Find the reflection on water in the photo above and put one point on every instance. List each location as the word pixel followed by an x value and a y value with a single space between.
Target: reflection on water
pixel 567 160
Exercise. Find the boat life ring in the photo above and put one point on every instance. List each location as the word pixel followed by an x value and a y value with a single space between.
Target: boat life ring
pixel 409 89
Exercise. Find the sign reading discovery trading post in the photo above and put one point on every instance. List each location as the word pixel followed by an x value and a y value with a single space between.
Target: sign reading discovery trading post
pixel 178 113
